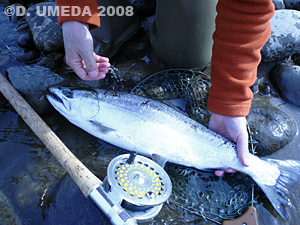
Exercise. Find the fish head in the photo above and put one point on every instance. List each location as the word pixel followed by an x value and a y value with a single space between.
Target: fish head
pixel 74 104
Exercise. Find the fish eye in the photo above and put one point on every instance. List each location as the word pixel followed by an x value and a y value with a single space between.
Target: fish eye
pixel 68 93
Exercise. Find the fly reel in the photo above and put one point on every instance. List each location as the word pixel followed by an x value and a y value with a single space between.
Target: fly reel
pixel 138 184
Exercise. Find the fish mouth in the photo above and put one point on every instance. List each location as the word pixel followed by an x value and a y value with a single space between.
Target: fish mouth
pixel 54 96
pixel 56 100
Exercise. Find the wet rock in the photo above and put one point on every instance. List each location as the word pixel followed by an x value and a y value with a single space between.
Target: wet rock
pixel 7 212
pixel 33 82
pixel 25 197
pixel 4 59
pixel 23 25
pixel 272 128
pixel 26 40
pixel 285 36
pixel 4 2
pixel 47 33
pixel 15 17
pixel 3 101
pixel 29 55
pixel 86 83
pixel 114 30
pixel 295 58
pixel 286 79
pixel 143 8
pixel 132 72
pixel 69 206
pixel 262 84
pixel 25 2
pixel 255 87
pixel 292 4
pixel 52 61
pixel 279 4
pixel 67 72
pixel 8 46
pixel 265 89
pixel 264 69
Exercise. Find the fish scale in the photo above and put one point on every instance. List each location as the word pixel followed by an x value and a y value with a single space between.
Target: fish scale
pixel 153 128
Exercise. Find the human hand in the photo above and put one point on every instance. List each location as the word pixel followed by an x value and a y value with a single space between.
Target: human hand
pixel 234 129
pixel 80 54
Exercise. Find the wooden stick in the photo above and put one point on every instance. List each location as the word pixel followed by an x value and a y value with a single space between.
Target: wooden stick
pixel 84 178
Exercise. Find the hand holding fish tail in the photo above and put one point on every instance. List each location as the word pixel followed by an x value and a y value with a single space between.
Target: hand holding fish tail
pixel 234 129
pixel 80 56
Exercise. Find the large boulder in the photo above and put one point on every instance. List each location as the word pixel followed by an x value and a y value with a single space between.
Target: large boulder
pixel 279 4
pixel 286 79
pixel 33 82
pixel 47 33
pixel 285 36
pixel 69 206
pixel 7 212
pixel 272 128
pixel 292 4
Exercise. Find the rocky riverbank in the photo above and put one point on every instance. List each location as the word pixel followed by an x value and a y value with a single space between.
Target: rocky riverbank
pixel 39 42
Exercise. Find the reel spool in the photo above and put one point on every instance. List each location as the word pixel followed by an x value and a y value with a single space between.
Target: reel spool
pixel 138 184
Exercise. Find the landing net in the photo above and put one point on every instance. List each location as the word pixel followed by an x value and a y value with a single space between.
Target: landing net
pixel 200 193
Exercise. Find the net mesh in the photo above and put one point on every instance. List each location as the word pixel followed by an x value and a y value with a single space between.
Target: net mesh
pixel 179 84
pixel 209 196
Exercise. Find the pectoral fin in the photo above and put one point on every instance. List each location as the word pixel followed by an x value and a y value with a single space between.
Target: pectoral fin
pixel 103 129
pixel 160 160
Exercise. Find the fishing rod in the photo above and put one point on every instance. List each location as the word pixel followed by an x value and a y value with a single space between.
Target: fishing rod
pixel 135 187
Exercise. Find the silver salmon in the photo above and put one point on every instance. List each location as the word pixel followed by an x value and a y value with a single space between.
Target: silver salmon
pixel 156 130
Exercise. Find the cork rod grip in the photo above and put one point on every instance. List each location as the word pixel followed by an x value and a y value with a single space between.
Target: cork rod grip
pixel 84 178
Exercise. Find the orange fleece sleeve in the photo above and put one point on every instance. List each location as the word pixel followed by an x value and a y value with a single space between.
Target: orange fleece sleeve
pixel 89 15
pixel 242 29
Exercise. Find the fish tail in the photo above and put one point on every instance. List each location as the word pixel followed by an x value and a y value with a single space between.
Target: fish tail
pixel 278 193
